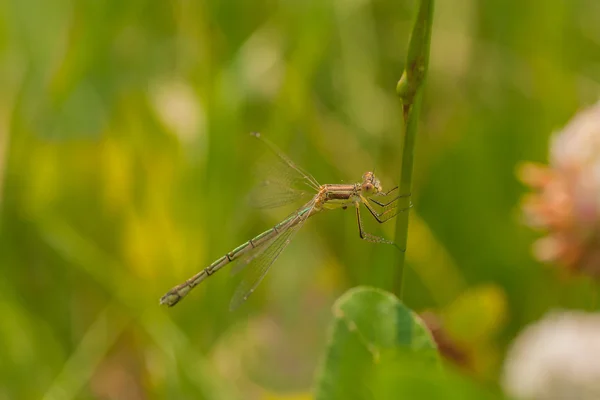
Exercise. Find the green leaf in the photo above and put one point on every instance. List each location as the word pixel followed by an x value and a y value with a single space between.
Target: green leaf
pixel 371 330
pixel 380 349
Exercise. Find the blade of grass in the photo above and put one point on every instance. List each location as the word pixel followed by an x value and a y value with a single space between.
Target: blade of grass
pixel 410 90
pixel 180 351
pixel 93 347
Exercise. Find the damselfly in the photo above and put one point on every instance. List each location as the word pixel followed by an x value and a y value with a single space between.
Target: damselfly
pixel 259 253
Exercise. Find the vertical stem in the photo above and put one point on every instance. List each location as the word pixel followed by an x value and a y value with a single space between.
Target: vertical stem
pixel 410 90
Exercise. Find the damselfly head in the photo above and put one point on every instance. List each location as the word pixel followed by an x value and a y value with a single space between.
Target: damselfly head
pixel 370 185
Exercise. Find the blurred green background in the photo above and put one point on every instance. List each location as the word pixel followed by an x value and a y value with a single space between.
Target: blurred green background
pixel 125 161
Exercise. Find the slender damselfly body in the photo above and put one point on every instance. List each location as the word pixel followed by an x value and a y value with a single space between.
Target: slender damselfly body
pixel 258 254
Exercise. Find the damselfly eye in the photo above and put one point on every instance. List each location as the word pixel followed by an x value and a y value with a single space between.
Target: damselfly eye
pixel 368 187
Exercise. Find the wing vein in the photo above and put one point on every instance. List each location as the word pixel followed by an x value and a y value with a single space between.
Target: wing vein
pixel 259 263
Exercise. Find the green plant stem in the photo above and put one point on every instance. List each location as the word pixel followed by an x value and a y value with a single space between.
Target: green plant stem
pixel 410 90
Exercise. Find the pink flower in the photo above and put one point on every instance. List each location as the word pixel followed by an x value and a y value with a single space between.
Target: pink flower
pixel 566 201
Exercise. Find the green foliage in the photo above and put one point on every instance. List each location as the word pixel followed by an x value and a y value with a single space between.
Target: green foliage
pixel 125 161
pixel 379 349
pixel 370 332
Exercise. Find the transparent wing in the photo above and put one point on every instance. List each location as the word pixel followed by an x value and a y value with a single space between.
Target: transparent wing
pixel 280 185
pixel 259 263
pixel 307 178
pixel 276 197
pixel 245 259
